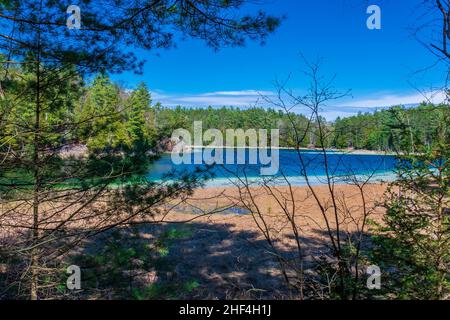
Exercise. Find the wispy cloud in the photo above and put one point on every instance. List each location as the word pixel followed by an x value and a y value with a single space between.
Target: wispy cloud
pixel 247 98
pixel 243 98
pixel 380 101
pixel 390 99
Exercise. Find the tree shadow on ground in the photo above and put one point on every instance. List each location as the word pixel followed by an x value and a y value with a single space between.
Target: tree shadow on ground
pixel 196 260
pixel 199 261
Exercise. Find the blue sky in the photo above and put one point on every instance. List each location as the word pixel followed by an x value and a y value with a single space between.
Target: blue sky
pixel 379 66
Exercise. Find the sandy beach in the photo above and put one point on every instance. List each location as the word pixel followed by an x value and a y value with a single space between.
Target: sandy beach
pixel 308 214
pixel 229 254
pixel 221 245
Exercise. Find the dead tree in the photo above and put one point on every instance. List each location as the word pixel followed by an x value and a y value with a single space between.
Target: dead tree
pixel 339 268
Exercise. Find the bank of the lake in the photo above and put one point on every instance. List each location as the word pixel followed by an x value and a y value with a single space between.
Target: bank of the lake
pixel 289 167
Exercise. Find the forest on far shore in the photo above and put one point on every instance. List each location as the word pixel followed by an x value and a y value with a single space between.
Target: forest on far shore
pixel 380 130
pixel 124 119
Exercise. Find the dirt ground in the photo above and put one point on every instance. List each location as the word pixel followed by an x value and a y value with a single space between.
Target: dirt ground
pixel 227 252
pixel 220 242
pixel 227 207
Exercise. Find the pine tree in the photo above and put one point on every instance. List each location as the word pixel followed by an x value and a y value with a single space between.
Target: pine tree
pixel 413 242
pixel 50 203
pixel 141 130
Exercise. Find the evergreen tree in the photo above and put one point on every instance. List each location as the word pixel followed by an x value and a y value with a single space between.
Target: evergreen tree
pixel 141 130
pixel 413 243
pixel 60 200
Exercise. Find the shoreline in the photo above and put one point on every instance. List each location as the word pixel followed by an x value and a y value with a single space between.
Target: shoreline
pixel 190 148
pixel 228 202
pixel 294 181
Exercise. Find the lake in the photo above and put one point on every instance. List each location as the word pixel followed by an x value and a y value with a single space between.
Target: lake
pixel 340 166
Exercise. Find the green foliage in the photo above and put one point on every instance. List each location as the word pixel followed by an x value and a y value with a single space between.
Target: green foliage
pixel 17 108
pixel 48 116
pixel 395 129
pixel 413 242
pixel 101 115
pixel 230 118
pixel 108 41
pixel 381 130
pixel 115 262
pixel 113 119
pixel 140 117
pixel 165 291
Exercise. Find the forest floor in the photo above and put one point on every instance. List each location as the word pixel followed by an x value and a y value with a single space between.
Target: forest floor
pixel 227 253
pixel 211 246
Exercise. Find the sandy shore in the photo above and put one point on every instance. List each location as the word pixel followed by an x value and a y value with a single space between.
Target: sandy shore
pixel 227 251
pixel 274 211
pixel 189 148
pixel 221 244
pixel 230 206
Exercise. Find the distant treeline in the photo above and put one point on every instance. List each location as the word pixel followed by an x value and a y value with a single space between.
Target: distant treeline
pixel 382 130
pixel 111 117
pixel 134 119
pixel 138 120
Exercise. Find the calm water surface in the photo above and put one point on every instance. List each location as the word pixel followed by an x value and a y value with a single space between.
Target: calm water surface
pixel 340 166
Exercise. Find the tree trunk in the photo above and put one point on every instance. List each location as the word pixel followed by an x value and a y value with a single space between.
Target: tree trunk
pixel 35 229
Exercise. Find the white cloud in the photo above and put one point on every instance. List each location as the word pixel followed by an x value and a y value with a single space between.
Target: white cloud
pixel 389 100
pixel 377 102
pixel 247 98
pixel 243 98
pixel 237 93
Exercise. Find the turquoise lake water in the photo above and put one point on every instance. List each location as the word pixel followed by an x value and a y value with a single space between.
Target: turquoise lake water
pixel 340 166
